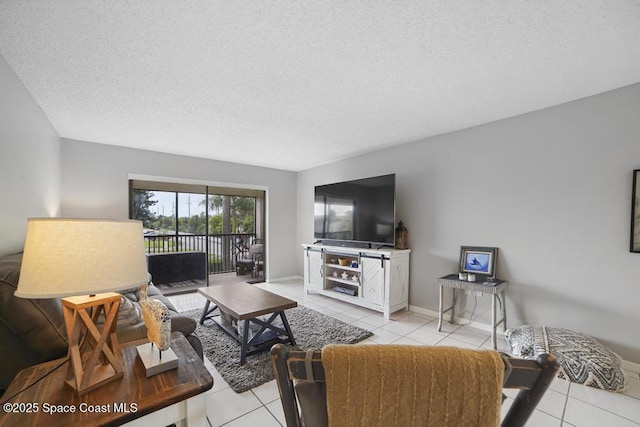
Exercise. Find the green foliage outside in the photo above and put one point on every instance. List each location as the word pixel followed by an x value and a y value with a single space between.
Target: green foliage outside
pixel 227 214
pixel 142 202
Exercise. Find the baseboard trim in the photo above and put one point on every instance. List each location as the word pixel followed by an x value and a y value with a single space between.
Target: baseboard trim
pixel 631 366
pixel 285 279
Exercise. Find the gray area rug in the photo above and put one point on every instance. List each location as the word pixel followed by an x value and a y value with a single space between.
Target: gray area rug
pixel 311 330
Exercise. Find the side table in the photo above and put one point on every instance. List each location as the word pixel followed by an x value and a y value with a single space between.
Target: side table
pixel 172 396
pixel 496 288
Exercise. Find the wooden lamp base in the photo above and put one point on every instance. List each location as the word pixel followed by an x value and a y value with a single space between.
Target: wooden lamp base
pixel 94 352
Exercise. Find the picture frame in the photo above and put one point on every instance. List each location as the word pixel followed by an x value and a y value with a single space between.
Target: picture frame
pixel 635 213
pixel 480 260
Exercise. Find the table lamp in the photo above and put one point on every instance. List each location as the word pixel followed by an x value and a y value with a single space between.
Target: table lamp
pixel 82 261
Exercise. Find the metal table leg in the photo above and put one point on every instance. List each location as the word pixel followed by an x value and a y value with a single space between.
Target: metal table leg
pixel 493 322
pixel 440 311
pixel 452 308
pixel 504 312
pixel 454 293
pixel 245 342
pixel 287 328
pixel 206 311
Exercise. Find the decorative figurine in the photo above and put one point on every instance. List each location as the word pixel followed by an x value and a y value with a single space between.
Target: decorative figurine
pixel 158 322
pixel 157 319
pixel 402 237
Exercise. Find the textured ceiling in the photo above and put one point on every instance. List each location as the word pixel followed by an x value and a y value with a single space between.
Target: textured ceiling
pixel 292 85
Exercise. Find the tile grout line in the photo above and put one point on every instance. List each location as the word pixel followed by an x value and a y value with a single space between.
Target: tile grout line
pixel 272 414
pixel 247 413
pixel 596 406
pixel 566 402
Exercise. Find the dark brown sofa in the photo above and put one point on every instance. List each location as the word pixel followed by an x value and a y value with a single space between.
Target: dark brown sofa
pixel 32 331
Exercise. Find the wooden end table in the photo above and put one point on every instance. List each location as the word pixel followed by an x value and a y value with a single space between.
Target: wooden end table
pixel 245 303
pixel 162 399
pixel 495 288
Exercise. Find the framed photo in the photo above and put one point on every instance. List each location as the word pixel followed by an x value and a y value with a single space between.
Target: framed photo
pixel 635 213
pixel 478 260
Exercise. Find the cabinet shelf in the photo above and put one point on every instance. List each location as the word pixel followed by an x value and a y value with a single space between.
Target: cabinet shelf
pixel 349 282
pixel 342 267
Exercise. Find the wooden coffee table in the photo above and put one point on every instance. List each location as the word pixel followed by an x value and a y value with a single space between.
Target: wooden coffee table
pixel 38 395
pixel 245 303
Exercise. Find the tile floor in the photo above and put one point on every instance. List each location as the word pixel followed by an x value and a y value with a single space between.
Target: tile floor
pixel 565 404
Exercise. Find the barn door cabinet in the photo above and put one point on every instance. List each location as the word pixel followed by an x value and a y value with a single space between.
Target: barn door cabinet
pixel 377 279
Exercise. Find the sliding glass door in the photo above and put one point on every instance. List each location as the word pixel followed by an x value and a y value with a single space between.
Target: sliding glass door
pixel 222 222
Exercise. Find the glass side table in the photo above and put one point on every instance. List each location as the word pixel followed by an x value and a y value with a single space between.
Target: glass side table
pixel 495 289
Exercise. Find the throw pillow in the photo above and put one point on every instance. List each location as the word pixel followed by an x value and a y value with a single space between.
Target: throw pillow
pixel 129 313
pixel 582 359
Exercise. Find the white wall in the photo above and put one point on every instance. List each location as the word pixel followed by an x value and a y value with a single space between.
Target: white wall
pixel 95 184
pixel 551 189
pixel 30 158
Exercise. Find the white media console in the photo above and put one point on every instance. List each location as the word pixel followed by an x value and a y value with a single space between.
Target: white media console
pixel 377 279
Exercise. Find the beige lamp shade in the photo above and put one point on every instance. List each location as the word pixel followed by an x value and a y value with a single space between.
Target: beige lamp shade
pixel 65 257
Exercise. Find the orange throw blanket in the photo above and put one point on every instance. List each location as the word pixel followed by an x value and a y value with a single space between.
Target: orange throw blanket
pixel 404 385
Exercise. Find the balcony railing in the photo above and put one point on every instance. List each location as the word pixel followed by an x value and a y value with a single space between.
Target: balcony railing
pixel 222 249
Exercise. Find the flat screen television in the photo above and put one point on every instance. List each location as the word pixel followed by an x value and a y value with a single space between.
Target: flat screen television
pixel 360 212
